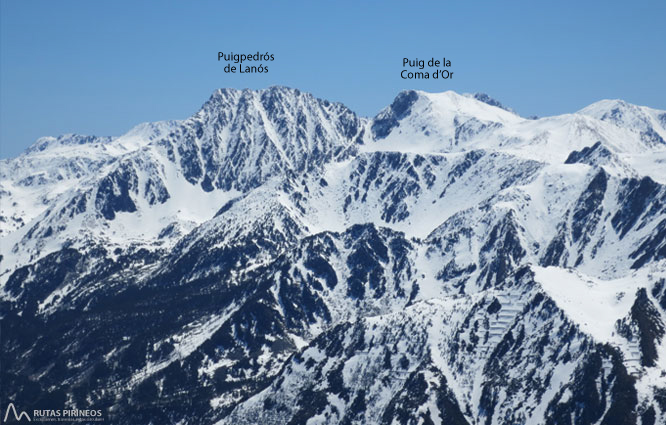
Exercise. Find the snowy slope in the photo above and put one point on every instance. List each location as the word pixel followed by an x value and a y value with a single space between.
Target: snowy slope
pixel 166 175
pixel 274 258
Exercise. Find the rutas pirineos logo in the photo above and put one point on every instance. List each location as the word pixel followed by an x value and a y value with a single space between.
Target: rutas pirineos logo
pixel 17 416
pixel 12 414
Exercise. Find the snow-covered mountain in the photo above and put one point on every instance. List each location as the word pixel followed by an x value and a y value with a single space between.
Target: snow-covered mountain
pixel 277 259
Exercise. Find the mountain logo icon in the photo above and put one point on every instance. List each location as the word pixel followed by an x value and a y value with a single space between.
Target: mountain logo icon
pixel 17 416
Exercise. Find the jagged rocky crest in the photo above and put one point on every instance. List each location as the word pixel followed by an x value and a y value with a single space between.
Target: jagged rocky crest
pixel 277 259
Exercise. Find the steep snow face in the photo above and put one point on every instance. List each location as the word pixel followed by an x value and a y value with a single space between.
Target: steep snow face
pixel 650 126
pixel 594 304
pixel 52 166
pixel 422 122
pixel 650 123
pixel 274 258
pixel 411 193
pixel 32 181
pixel 447 122
pixel 240 138
pixel 164 176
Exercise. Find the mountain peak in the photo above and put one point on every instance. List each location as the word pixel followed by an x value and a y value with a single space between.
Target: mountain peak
pixel 483 97
pixel 307 275
pixel 650 123
pixel 65 140
pixel 436 113
pixel 609 109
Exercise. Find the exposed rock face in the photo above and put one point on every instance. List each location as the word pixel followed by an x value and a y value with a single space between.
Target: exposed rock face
pixel 276 259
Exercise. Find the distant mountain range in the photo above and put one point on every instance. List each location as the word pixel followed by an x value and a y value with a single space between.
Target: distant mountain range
pixel 277 259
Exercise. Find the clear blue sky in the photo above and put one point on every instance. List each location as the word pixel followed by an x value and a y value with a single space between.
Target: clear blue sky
pixel 93 68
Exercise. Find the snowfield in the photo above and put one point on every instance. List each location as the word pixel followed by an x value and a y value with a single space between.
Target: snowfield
pixel 275 258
